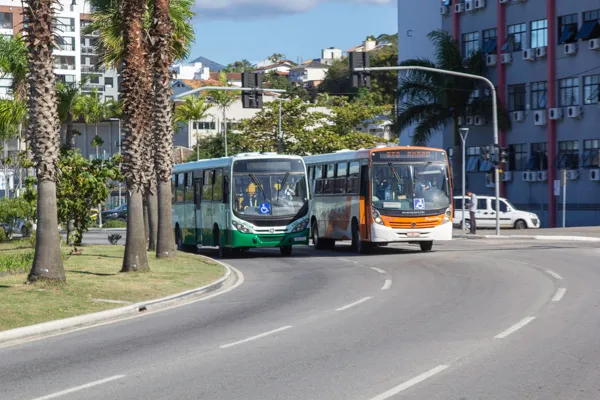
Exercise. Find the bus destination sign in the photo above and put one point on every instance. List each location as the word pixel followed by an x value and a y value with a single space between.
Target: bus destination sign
pixel 409 155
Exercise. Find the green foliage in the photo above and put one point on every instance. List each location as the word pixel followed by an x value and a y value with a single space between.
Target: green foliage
pixel 193 108
pixel 214 146
pixel 239 66
pixel 223 99
pixel 347 115
pixel 275 57
pixel 3 235
pixel 337 81
pixel 13 64
pixel 114 224
pixel 14 262
pixel 97 141
pixel 13 210
pixel 274 81
pixel 114 238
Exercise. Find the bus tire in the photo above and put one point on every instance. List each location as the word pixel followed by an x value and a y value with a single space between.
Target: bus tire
pixel 318 243
pixel 358 245
pixel 224 252
pixel 286 251
pixel 426 246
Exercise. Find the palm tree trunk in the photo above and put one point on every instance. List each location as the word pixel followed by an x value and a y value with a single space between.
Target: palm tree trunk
pixel 146 224
pixel 45 139
pixel 69 136
pixel 20 187
pixel 134 88
pixel 163 124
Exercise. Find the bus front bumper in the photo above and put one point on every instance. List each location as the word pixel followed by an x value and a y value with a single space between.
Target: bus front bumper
pixel 269 239
pixel 385 234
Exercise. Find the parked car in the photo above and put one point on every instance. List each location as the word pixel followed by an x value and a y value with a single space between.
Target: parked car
pixel 116 213
pixel 485 216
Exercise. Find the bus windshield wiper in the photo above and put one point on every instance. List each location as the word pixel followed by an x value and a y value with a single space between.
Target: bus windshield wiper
pixel 258 185
pixel 394 172
pixel 283 182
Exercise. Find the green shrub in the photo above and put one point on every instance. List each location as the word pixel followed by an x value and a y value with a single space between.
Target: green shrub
pixel 12 262
pixel 3 237
pixel 31 240
pixel 114 223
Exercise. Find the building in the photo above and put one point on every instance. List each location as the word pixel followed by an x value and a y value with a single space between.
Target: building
pixel 195 70
pixel 233 78
pixel 281 67
pixel 310 74
pixel 544 58
pixel 329 55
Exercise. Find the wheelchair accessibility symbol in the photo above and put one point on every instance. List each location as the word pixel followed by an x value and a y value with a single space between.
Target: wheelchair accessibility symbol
pixel 265 208
pixel 419 204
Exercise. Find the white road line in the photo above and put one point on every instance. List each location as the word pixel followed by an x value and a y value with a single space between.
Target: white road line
pixel 378 270
pixel 354 304
pixel 346 260
pixel 283 328
pixel 387 284
pixel 514 328
pixel 412 382
pixel 553 274
pixel 78 388
pixel 559 294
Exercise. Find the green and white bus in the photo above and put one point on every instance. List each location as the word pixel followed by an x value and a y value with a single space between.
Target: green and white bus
pixel 241 202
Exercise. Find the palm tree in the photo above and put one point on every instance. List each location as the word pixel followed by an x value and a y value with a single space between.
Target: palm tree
pixel 433 100
pixel 276 57
pixel 193 109
pixel 69 105
pixel 223 100
pixel 44 136
pixel 91 109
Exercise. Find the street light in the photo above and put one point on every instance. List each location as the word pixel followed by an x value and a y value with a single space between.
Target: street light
pixel 464 132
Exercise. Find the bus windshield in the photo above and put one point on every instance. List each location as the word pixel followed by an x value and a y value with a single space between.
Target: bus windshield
pixel 272 194
pixel 410 186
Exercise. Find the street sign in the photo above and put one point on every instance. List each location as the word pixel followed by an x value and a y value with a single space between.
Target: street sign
pixel 557 187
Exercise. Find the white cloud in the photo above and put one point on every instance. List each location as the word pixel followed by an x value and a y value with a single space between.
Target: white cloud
pixel 246 9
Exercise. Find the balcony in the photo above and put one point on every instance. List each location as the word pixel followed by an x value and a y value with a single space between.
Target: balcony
pixel 92 69
pixel 64 66
pixel 88 50
pixel 91 86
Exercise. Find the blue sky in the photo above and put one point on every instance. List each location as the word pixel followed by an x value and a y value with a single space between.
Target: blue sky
pixel 229 30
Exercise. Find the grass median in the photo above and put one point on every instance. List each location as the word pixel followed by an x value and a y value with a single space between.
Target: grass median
pixel 93 283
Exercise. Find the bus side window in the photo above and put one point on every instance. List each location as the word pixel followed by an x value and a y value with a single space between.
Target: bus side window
pixel 353 179
pixel 226 188
pixel 218 185
pixel 180 187
pixel 340 180
pixel 198 192
pixel 318 179
pixel 364 180
pixel 329 180
pixel 173 188
pixel 207 186
pixel 189 187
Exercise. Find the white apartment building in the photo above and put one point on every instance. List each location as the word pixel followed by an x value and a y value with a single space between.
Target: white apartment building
pixel 329 55
pixel 195 70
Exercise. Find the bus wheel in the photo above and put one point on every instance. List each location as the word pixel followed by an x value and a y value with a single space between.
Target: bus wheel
pixel 286 251
pixel 426 246
pixel 318 243
pixel 357 244
pixel 224 252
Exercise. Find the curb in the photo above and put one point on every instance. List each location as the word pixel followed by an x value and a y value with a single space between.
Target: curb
pixel 530 237
pixel 88 320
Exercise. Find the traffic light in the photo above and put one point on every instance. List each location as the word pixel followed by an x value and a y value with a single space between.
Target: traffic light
pixel 254 98
pixel 360 60
pixel 486 153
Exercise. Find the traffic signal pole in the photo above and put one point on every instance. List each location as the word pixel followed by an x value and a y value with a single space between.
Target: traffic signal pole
pixel 494 112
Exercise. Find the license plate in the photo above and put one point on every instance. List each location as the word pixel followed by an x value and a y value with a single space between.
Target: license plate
pixel 299 239
pixel 413 234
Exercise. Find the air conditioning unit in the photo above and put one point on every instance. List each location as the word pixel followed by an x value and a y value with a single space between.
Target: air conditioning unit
pixel 478 120
pixel 528 54
pixel 595 175
pixel 572 174
pixel 490 60
pixel 539 117
pixel 506 58
pixel 479 3
pixel 594 44
pixel 469 5
pixel 519 1
pixel 570 49
pixel 459 8
pixel 444 10
pixel 574 112
pixel 503 1
pixel 529 176
pixel 506 176
pixel 518 116
pixel 469 120
pixel 556 113
pixel 542 176
pixel 540 52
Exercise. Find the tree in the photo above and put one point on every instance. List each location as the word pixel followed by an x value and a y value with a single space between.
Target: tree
pixel 347 115
pixel 337 80
pixel 273 80
pixel 193 109
pixel 276 57
pixel 223 100
pixel 91 109
pixel 239 67
pixel 69 104
pixel 385 84
pixel 214 146
pixel 44 137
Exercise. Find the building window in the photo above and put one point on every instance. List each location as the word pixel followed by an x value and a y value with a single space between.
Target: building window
pixel 517 97
pixel 109 98
pixel 539 95
pixel 539 33
pixel 473 159
pixel 109 82
pixel 568 155
pixel 517 157
pixel 64 62
pixel 94 79
pixel 569 92
pixel 591 153
pixel 470 42
pixel 63 24
pixel 490 40
pixel 591 89
pixel 6 20
pixel 591 25
pixel 66 43
pixel 538 159
pixel 517 35
pixel 205 125
pixel 567 28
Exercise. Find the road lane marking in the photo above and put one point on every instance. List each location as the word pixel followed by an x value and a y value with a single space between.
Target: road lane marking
pixel 387 284
pixel 559 294
pixel 378 270
pixel 346 260
pixel 261 335
pixel 553 274
pixel 514 328
pixel 354 304
pixel 78 388
pixel 412 382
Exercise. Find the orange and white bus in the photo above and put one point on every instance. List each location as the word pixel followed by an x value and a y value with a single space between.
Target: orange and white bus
pixel 380 195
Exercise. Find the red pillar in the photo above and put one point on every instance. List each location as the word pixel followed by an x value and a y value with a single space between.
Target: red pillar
pixel 501 72
pixel 455 24
pixel 551 72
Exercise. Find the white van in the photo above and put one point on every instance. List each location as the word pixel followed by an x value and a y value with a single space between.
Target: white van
pixel 485 216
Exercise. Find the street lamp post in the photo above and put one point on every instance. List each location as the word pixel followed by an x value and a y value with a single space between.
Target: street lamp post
pixel 280 134
pixel 464 132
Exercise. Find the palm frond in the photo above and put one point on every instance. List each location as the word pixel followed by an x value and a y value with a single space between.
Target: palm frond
pixel 428 127
pixel 447 51
pixel 411 113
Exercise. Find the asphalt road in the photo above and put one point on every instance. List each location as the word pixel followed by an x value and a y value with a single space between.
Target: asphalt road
pixel 474 319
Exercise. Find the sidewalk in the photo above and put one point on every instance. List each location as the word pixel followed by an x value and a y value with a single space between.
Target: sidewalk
pixel 580 234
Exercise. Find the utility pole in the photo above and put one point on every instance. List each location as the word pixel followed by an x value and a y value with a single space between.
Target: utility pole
pixel 464 132
pixel 463 75
pixel 280 134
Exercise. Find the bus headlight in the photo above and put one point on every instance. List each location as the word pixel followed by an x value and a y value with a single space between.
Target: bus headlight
pixel 300 227
pixel 240 227
pixel 377 217
pixel 448 214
